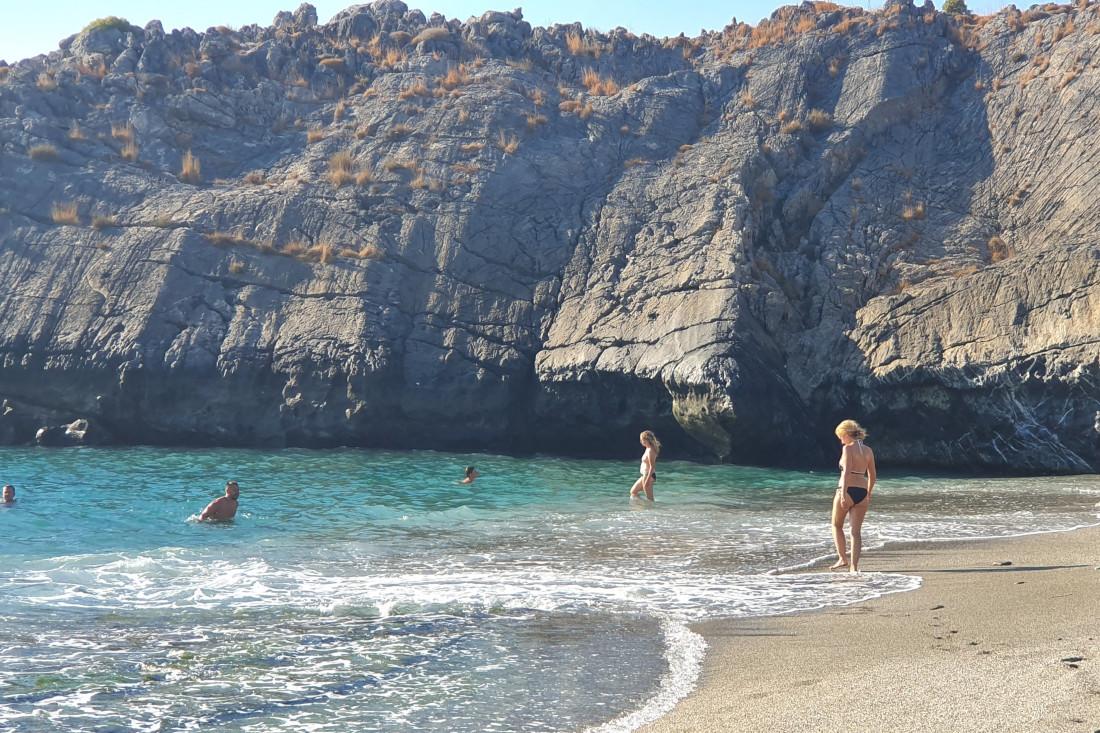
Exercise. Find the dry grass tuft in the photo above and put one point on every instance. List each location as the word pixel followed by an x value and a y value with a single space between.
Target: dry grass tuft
pixel 315 134
pixel 819 119
pixel 747 100
pixel 508 144
pixel 804 24
pixel 75 133
pixel 65 213
pixel 236 267
pixel 635 162
pixel 46 82
pixel 471 147
pixel 597 85
pixel 537 97
pixel 998 250
pixel 534 121
pixel 124 133
pixel 578 46
pixel 364 131
pixel 339 169
pixel 455 77
pixel 430 34
pixel 416 89
pixel 226 239
pixel 395 164
pixel 129 151
pixel 190 168
pixel 338 111
pixel 1064 30
pixel 791 127
pixel 363 177
pixel 399 130
pixel 913 211
pixel 366 252
pixel 254 178
pixel 101 222
pixel 44 151
pixel 323 253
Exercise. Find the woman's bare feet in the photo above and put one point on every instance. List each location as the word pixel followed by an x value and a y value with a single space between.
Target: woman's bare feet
pixel 838 565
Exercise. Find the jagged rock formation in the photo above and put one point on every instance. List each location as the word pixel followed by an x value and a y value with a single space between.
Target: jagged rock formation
pixel 408 231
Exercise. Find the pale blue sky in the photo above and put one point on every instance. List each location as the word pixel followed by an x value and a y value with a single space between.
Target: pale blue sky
pixel 36 26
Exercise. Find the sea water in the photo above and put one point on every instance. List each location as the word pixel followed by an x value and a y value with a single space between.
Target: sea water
pixel 370 591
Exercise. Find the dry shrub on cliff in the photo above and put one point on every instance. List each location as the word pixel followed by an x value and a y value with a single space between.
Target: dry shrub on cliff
pixel 471 147
pixel 46 82
pixel 1064 30
pixel 913 211
pixel 364 131
pixel 430 34
pixel 336 64
pixel 236 267
pixel 322 253
pixel 1067 78
pixel 466 168
pixel 847 24
pixel 226 239
pixel 392 58
pixel 416 89
pixel 102 221
pixel 190 168
pixel 366 252
pixel 338 111
pixel 578 46
pixel 254 178
pixel 998 250
pixel 507 143
pixel 44 152
pixel 534 121
pixel 293 249
pixel 835 64
pixel 76 133
pixel 4 71
pixel 123 133
pixel 65 213
pixel 395 164
pixel 363 177
pixel 339 169
pixel 398 131
pixel 804 24
pixel 1018 196
pixel 819 119
pixel 455 77
pixel 791 127
pixel 635 162
pixel 315 134
pixel 129 151
pixel 597 85
pixel 747 100
pixel 537 97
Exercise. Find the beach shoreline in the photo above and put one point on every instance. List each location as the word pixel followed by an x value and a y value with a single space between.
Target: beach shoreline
pixel 978 647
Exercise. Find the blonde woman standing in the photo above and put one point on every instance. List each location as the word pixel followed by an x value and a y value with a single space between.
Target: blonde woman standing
pixel 648 469
pixel 853 494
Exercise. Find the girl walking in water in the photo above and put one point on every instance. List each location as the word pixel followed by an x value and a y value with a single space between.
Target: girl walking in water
pixel 853 494
pixel 648 468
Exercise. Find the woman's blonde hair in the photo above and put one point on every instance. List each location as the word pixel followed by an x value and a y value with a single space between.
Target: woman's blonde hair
pixel 650 440
pixel 852 429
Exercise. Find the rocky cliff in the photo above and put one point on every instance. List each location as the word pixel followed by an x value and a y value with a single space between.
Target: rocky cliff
pixel 393 230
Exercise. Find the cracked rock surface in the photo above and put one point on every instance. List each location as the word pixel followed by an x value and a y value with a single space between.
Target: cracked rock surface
pixel 394 230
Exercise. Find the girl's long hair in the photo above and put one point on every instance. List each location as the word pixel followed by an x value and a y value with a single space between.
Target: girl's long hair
pixel 651 441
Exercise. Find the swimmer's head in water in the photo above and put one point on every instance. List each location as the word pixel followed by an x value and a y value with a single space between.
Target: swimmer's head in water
pixel 649 440
pixel 471 472
pixel 232 490
pixel 9 494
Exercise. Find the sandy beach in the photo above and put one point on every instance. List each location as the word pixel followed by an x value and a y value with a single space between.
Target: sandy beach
pixel 981 646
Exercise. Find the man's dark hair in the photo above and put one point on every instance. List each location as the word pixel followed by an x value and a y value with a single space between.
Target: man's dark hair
pixel 469 470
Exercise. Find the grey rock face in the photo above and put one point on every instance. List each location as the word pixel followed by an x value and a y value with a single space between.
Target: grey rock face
pixel 487 235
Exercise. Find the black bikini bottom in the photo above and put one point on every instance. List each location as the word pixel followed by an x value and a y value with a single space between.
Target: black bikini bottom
pixel 857 494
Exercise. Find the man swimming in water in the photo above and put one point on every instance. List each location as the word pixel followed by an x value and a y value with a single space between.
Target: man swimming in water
pixel 9 495
pixel 224 507
pixel 471 474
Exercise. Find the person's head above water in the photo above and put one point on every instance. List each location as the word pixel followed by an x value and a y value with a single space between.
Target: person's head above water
pixel 849 430
pixel 232 490
pixel 649 440
pixel 471 473
pixel 9 494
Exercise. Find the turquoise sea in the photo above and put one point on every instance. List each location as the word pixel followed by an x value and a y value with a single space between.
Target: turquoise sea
pixel 370 591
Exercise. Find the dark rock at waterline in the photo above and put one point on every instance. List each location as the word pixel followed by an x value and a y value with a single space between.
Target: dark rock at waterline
pixel 735 240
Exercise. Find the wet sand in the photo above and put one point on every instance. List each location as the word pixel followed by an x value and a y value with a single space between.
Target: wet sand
pixel 981 646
